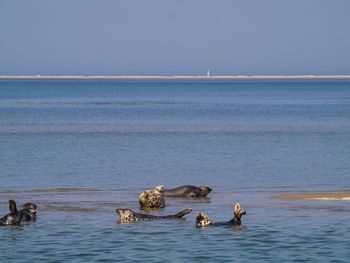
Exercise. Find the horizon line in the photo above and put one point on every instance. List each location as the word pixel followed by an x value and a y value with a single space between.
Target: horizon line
pixel 201 77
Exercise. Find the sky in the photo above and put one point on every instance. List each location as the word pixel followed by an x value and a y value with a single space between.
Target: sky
pixel 178 37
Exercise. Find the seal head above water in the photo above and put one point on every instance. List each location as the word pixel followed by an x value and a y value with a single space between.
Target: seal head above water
pixel 29 210
pixel 202 219
pixel 188 191
pixel 127 215
pixel 152 198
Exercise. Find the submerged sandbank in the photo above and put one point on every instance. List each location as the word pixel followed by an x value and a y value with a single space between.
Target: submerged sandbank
pixel 50 190
pixel 336 196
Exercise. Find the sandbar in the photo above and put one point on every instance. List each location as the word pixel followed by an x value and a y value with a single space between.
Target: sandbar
pixel 336 196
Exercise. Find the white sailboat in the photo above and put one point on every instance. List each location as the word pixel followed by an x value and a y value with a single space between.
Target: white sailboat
pixel 208 73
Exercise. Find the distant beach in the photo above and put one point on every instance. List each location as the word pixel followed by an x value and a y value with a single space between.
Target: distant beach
pixel 228 77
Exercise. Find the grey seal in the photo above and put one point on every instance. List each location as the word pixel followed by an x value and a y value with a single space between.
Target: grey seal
pixel 202 219
pixel 14 218
pixel 127 215
pixel 152 198
pixel 188 191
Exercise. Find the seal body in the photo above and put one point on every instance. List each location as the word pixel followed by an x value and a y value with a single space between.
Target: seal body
pixel 152 198
pixel 127 215
pixel 202 219
pixel 188 191
pixel 14 218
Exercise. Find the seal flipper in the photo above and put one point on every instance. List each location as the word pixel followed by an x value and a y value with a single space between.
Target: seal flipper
pixel 183 212
pixel 20 218
pixel 12 206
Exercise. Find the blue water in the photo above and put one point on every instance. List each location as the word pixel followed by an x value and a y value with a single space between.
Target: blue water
pixel 81 149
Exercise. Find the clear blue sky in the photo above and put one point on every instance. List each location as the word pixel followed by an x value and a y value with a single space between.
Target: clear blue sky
pixel 178 37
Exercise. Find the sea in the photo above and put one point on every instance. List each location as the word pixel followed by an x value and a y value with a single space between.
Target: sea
pixel 80 149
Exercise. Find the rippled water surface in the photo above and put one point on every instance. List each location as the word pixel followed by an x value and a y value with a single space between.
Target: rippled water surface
pixel 81 149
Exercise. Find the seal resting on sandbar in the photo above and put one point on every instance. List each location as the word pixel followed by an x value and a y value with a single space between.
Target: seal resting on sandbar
pixel 14 218
pixel 127 215
pixel 202 219
pixel 188 191
pixel 152 198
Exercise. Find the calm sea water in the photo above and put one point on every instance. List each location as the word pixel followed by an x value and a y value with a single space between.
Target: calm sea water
pixel 81 149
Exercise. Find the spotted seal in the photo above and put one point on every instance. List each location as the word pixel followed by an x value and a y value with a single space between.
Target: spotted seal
pixel 188 191
pixel 14 218
pixel 202 219
pixel 152 198
pixel 127 215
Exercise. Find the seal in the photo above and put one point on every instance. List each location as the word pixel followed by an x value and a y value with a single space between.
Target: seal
pixel 29 210
pixel 202 219
pixel 127 215
pixel 188 191
pixel 14 218
pixel 152 198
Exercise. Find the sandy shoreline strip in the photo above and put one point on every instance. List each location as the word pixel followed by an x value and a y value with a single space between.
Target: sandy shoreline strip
pixel 238 77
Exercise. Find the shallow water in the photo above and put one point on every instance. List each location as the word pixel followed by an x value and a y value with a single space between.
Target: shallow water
pixel 81 149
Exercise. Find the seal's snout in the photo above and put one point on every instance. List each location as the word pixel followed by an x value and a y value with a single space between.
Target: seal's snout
pixel 205 190
pixel 120 211
pixel 159 188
